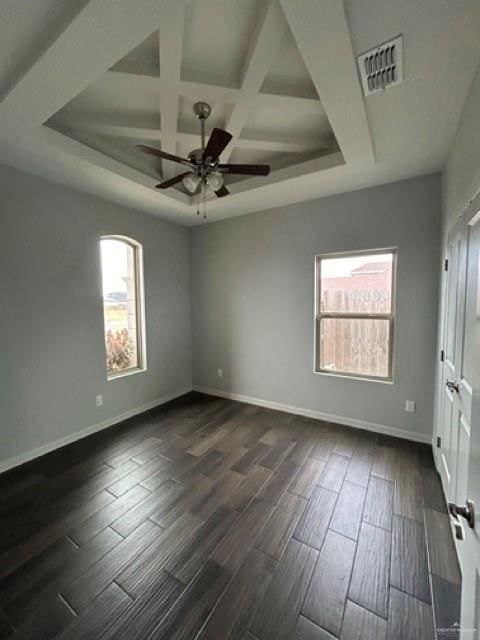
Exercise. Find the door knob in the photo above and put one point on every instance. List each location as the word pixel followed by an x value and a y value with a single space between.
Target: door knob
pixel 467 512
pixel 453 385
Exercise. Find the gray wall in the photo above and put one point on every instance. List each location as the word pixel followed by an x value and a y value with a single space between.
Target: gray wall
pixel 252 305
pixel 51 321
pixel 461 177
pixel 252 301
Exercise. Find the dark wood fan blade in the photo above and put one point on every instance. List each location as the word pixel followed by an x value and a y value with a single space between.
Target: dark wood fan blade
pixel 216 143
pixel 172 181
pixel 245 169
pixel 223 191
pixel 164 155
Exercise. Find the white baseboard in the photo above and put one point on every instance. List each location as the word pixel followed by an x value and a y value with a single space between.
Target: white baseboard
pixel 320 415
pixel 10 463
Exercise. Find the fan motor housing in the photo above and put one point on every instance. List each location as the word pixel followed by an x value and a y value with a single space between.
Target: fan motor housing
pixel 196 156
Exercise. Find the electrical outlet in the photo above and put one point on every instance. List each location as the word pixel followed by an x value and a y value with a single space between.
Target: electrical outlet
pixel 410 406
pixel 220 373
pixel 99 401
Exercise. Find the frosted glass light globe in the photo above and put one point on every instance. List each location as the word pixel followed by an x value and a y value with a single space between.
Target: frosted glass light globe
pixel 215 180
pixel 191 182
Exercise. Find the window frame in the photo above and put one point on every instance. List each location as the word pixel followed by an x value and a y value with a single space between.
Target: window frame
pixel 139 305
pixel 318 315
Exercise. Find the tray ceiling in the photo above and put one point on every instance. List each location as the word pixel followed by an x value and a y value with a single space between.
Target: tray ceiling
pixel 99 76
pixel 268 101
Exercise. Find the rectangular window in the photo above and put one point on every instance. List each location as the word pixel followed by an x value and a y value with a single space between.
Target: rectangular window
pixel 122 305
pixel 354 313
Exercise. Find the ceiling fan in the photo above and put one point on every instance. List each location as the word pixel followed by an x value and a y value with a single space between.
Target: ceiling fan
pixel 205 170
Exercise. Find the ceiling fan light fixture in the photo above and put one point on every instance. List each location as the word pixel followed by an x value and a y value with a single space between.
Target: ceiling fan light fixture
pixel 191 182
pixel 215 180
pixel 203 165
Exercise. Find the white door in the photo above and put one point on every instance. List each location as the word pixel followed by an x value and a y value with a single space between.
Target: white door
pixel 458 457
pixel 452 395
pixel 468 475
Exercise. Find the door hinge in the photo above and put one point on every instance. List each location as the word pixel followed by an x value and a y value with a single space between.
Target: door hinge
pixel 446 265
pixel 439 442
pixel 442 355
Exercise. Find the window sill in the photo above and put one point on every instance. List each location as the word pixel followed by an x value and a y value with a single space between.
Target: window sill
pixel 349 376
pixel 124 374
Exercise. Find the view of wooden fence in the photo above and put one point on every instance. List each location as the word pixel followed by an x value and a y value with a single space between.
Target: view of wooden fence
pixel 355 345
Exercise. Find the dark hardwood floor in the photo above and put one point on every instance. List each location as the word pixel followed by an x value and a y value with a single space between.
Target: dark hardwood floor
pixel 216 520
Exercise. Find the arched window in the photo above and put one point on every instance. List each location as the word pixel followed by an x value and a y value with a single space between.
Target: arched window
pixel 122 279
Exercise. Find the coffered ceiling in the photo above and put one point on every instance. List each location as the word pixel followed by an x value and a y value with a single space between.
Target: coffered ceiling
pixel 280 75
pixel 273 109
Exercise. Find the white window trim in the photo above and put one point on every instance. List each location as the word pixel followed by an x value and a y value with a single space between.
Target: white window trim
pixel 140 308
pixel 318 315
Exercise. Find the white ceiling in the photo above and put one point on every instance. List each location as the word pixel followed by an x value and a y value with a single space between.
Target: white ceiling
pixel 26 30
pixel 279 74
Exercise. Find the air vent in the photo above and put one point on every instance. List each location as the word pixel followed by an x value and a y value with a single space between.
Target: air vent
pixel 382 67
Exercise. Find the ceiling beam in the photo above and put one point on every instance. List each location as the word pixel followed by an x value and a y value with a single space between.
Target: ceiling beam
pixel 144 133
pixel 170 51
pixel 263 48
pixel 333 72
pixel 202 91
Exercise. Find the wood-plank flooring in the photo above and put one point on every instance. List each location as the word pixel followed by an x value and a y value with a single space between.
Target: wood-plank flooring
pixel 217 520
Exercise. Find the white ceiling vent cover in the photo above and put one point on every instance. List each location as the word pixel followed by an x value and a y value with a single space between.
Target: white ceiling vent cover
pixel 382 67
